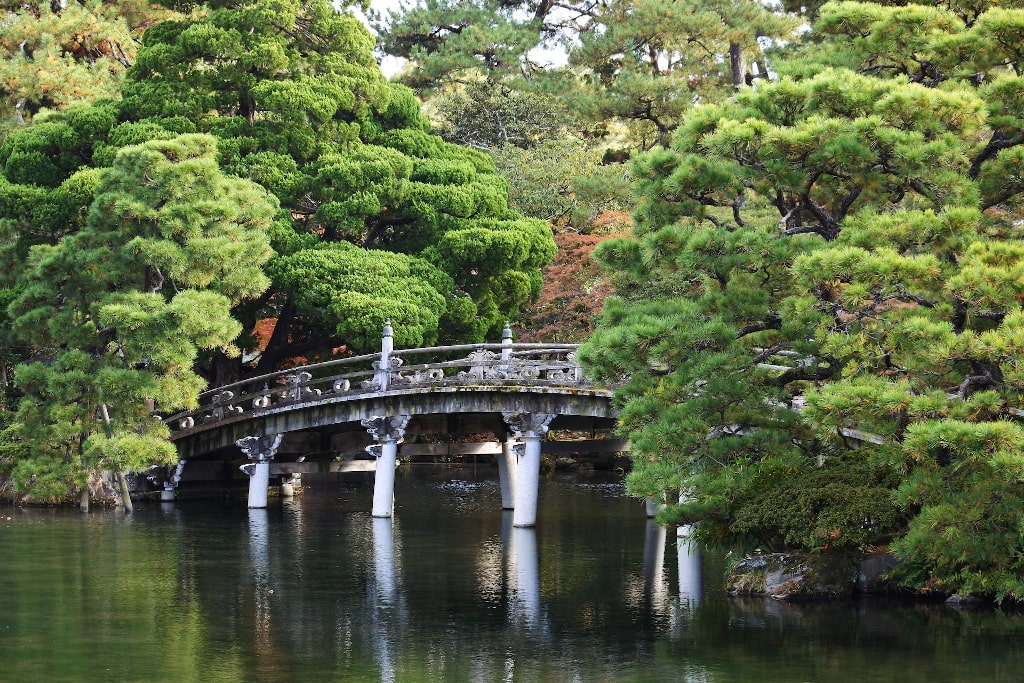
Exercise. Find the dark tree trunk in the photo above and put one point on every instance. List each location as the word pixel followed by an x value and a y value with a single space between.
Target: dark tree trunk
pixel 739 67
pixel 278 343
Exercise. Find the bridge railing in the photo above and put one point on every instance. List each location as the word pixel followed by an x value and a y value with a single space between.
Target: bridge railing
pixel 465 364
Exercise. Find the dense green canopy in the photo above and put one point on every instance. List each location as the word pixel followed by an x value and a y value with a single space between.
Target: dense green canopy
pixel 298 104
pixel 820 313
pixel 255 166
pixel 643 62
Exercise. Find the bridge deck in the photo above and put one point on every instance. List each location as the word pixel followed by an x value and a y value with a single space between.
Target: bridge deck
pixel 335 396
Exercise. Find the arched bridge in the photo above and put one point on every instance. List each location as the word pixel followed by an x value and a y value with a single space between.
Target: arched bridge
pixel 325 412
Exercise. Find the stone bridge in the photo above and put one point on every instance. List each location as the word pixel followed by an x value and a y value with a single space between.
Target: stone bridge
pixel 322 417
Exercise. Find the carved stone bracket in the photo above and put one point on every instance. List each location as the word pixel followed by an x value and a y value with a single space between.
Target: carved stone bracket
pixel 260 448
pixel 419 376
pixel 379 368
pixel 487 365
pixel 529 424
pixel 482 365
pixel 572 374
pixel 222 407
pixel 383 428
pixel 297 389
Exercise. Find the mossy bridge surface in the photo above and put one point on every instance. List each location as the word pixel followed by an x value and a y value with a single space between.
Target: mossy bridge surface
pixel 352 413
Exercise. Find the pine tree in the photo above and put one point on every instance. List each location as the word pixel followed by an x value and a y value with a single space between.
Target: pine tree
pixel 56 54
pixel 643 63
pixel 826 352
pixel 119 311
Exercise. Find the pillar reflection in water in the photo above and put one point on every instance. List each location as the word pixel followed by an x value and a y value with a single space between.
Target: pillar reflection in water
pixel 523 572
pixel 656 590
pixel 384 595
pixel 295 525
pixel 690 578
pixel 384 561
pixel 259 554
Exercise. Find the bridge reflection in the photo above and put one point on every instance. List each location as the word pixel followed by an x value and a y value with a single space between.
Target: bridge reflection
pixel 401 593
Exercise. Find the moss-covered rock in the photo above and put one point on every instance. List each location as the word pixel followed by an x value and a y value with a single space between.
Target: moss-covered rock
pixel 807 576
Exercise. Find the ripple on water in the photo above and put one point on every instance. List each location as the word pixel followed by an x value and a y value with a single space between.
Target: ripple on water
pixel 610 488
pixel 462 496
pixel 457 486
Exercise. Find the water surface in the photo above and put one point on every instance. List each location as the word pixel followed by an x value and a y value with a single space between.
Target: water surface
pixel 317 590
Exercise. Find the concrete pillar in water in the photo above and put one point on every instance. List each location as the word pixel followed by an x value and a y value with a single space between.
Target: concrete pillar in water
pixel 507 466
pixel 530 427
pixel 690 578
pixel 288 484
pixel 167 495
pixel 260 449
pixel 654 505
pixel 388 433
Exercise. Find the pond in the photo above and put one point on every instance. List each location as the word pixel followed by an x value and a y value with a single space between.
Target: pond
pixel 314 589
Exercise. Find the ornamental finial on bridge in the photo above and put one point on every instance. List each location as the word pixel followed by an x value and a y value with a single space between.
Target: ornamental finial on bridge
pixel 383 366
pixel 506 348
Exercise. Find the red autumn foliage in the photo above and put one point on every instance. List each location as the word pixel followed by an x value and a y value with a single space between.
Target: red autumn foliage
pixel 574 289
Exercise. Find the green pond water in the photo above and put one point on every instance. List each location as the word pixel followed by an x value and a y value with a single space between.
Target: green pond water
pixel 316 590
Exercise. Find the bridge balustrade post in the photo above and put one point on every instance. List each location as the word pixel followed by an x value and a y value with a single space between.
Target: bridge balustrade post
pixel 383 366
pixel 388 433
pixel 506 348
pixel 530 427
pixel 261 449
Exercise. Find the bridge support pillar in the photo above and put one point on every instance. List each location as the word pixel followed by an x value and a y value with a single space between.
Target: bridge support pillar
pixel 288 484
pixel 530 427
pixel 167 495
pixel 654 506
pixel 507 466
pixel 260 449
pixel 388 433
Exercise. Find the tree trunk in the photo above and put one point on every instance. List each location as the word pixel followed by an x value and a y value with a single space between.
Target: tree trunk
pixel 122 481
pixel 739 67
pixel 278 340
pixel 126 495
pixel 225 370
pixel 83 500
